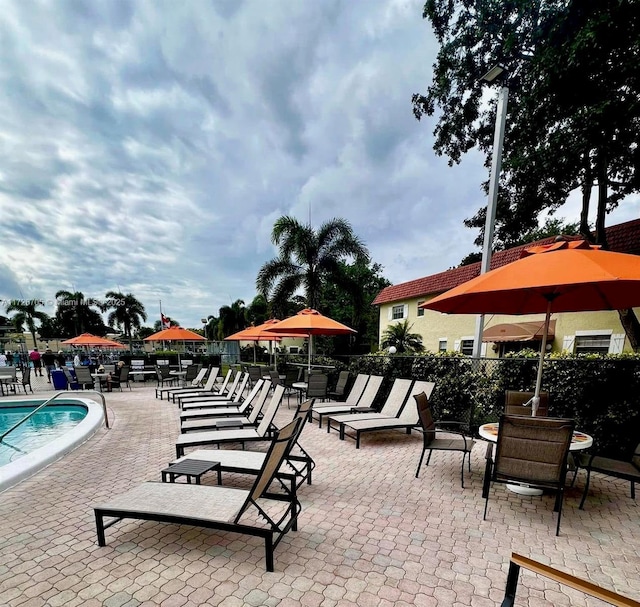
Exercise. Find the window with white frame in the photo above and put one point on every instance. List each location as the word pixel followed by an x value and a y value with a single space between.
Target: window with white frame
pixel 398 312
pixel 442 344
pixel 594 342
pixel 420 310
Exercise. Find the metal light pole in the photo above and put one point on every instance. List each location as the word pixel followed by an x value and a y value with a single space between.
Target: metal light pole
pixel 496 161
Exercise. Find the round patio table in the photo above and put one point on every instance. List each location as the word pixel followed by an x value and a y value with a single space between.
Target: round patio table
pixel 301 387
pixel 579 441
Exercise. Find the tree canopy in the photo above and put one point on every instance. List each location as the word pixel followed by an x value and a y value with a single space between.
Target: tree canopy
pixel 574 107
pixel 307 259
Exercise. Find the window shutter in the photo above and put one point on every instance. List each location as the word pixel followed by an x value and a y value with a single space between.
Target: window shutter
pixel 483 350
pixel 405 311
pixel 456 345
pixel 617 343
pixel 568 343
pixel 390 313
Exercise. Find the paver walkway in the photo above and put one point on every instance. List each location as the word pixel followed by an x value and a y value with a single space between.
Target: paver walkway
pixel 369 533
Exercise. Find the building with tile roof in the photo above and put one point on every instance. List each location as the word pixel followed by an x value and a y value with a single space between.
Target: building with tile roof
pixel 578 332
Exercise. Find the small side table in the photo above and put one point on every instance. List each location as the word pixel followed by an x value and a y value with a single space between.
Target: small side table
pixel 191 468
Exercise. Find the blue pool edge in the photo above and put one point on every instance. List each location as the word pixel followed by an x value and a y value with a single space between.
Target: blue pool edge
pixel 15 472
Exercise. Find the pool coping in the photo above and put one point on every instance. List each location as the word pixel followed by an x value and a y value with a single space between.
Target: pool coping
pixel 15 472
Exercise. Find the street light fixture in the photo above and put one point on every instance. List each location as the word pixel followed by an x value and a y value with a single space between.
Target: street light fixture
pixel 495 73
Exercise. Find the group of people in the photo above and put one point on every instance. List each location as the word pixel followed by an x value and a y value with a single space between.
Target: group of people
pixel 48 359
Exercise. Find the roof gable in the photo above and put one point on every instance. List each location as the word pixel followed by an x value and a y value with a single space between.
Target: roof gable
pixel 622 238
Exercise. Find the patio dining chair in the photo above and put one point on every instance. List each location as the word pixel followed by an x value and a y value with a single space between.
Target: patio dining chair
pixel 121 378
pixel 441 436
pixel 83 376
pixel 24 382
pixel 530 451
pixel 339 389
pixel 515 401
pixel 624 469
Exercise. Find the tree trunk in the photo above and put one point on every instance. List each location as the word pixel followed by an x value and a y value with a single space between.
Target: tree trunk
pixel 631 327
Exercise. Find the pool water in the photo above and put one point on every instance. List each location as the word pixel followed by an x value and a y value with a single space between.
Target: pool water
pixel 43 427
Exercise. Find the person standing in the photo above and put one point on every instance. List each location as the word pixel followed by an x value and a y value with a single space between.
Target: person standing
pixel 3 359
pixel 49 361
pixel 61 360
pixel 36 359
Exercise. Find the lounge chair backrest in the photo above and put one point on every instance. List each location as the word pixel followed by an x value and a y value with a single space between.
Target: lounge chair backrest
pixel 396 398
pixel 197 380
pixel 234 384
pixel 279 447
pixel 271 410
pixel 225 382
pixel 241 387
pixel 409 413
pixel 357 389
pixel 211 379
pixel 260 400
pixel 370 392
pixel 254 392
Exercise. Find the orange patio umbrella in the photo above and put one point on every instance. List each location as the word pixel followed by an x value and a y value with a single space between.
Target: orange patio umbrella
pixel 259 333
pixel 309 322
pixel 565 276
pixel 87 339
pixel 175 334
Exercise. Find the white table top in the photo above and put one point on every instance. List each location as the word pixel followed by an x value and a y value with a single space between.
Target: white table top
pixel 579 441
pixel 179 373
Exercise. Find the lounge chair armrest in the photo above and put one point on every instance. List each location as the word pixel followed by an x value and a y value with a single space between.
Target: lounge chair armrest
pixel 362 410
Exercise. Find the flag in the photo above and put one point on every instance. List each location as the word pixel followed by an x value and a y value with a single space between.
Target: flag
pixel 164 321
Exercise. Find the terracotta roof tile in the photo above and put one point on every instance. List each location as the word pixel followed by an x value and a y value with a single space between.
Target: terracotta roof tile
pixel 623 238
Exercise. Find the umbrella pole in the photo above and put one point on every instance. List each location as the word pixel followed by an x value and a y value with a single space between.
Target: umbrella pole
pixel 309 354
pixel 543 346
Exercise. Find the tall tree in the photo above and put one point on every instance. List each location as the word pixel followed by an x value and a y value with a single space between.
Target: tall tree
pixel 127 312
pixel 232 319
pixel 307 258
pixel 399 335
pixel 26 313
pixel 573 117
pixel 574 111
pixel 75 314
pixel 348 299
pixel 258 310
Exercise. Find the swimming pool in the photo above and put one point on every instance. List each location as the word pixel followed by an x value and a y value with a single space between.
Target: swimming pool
pixel 55 430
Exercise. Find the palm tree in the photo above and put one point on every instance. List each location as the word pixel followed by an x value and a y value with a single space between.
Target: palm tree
pixel 307 258
pixel 75 314
pixel 232 318
pixel 127 312
pixel 400 336
pixel 26 313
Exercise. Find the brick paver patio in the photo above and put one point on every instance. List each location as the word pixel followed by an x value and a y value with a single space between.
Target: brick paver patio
pixel 369 532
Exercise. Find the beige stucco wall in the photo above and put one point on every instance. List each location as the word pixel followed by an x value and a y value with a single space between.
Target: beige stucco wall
pixel 434 325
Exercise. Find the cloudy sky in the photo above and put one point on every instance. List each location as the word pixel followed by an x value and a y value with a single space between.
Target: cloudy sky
pixel 149 146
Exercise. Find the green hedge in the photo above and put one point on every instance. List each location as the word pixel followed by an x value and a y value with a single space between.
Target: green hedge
pixel 601 392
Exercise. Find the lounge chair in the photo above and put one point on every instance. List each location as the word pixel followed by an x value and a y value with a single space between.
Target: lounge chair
pixel 297 467
pixel 361 396
pixel 407 418
pixel 221 417
pixel 233 396
pixel 208 389
pixel 391 408
pixel 213 507
pixel 441 436
pixel 530 451
pixel 195 384
pixel 217 437
pixel 227 407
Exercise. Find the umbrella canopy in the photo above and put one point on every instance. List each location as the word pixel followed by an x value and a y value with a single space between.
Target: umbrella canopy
pixel 87 339
pixel 175 334
pixel 566 276
pixel 259 333
pixel 309 322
